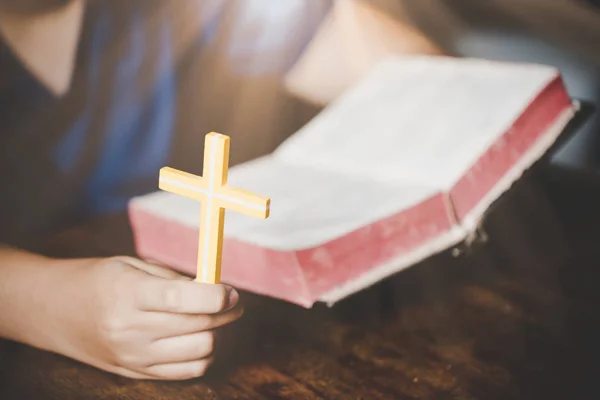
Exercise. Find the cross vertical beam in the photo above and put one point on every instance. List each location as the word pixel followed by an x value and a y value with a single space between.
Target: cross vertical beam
pixel 215 197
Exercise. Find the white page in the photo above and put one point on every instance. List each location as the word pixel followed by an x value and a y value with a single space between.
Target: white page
pixel 418 118
pixel 309 207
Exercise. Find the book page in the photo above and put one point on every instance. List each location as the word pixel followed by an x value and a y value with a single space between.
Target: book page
pixel 417 119
pixel 309 207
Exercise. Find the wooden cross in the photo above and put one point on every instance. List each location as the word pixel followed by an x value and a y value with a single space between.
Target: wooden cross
pixel 215 196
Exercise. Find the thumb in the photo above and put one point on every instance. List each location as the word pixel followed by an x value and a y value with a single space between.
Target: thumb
pixel 153 269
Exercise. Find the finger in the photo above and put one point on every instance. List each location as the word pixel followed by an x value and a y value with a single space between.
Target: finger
pixel 153 269
pixel 180 349
pixel 168 325
pixel 184 297
pixel 127 373
pixel 124 371
pixel 178 371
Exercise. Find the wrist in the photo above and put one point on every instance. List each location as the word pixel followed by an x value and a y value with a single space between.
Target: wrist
pixel 29 295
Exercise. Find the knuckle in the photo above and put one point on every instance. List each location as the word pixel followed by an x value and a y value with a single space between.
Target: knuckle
pixel 198 369
pixel 203 323
pixel 207 342
pixel 116 264
pixel 192 370
pixel 122 280
pixel 113 328
pixel 116 329
pixel 221 299
pixel 128 360
pixel 171 297
pixel 109 278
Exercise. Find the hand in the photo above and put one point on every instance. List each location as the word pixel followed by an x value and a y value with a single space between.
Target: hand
pixel 136 319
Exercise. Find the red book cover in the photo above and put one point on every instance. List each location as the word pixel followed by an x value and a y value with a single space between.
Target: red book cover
pixel 401 167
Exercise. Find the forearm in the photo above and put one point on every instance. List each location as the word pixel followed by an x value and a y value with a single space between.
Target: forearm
pixel 25 284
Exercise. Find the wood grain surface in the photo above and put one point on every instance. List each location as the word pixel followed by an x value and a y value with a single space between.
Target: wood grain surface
pixel 513 317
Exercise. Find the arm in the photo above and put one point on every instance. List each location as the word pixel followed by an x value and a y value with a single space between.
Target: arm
pixel 22 293
pixel 118 314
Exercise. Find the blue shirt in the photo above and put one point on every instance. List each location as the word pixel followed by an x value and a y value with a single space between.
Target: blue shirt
pixel 89 152
pixel 137 127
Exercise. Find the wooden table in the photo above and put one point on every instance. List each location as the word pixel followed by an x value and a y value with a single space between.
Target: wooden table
pixel 514 318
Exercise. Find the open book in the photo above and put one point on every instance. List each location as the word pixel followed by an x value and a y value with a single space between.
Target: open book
pixel 402 166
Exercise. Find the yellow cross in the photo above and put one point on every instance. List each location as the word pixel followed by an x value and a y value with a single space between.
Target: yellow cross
pixel 215 196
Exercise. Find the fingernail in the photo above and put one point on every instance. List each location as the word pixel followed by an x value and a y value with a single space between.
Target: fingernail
pixel 233 297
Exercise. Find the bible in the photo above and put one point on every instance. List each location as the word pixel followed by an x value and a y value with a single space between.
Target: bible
pixel 402 166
